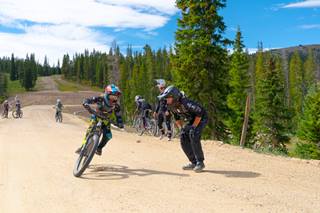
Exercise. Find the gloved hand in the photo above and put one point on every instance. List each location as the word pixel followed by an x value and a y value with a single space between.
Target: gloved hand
pixel 187 129
pixel 86 105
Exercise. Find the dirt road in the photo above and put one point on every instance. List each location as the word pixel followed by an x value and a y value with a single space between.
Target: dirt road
pixel 37 157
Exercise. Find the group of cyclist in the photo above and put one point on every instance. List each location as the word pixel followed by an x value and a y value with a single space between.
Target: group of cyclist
pixel 7 106
pixel 190 117
pixel 161 112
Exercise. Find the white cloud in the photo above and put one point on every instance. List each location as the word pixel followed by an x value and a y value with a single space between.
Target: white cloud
pixel 53 41
pixel 252 50
pixel 163 6
pixel 53 28
pixel 310 26
pixel 304 4
pixel 109 13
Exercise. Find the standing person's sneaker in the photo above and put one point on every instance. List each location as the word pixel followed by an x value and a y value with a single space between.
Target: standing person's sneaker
pixel 169 138
pixel 189 166
pixel 199 167
pixel 99 151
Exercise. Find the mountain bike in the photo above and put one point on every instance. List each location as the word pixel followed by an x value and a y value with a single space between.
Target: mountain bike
pixel 17 113
pixel 88 149
pixel 150 126
pixel 174 129
pixel 58 116
pixel 5 114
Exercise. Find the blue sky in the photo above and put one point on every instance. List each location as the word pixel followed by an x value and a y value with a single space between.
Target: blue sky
pixel 52 28
pixel 268 21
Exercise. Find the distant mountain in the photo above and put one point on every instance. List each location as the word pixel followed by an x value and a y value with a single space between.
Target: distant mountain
pixel 303 51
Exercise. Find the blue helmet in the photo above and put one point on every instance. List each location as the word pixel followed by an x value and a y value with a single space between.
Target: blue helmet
pixel 111 90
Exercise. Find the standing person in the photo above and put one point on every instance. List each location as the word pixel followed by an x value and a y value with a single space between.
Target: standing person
pixel 196 117
pixel 18 104
pixel 162 113
pixel 106 105
pixel 58 107
pixel 5 109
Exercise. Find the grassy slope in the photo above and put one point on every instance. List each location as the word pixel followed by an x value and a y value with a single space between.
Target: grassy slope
pixel 14 87
pixel 70 86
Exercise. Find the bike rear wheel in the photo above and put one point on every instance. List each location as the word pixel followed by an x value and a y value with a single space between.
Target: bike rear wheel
pixel 20 114
pixel 154 127
pixel 140 127
pixel 86 155
pixel 59 117
pixel 15 114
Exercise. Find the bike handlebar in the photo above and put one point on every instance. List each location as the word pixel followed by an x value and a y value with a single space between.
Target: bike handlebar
pixel 92 111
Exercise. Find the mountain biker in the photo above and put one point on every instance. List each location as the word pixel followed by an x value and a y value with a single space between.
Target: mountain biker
pixel 196 115
pixel 162 112
pixel 143 108
pixel 5 108
pixel 58 107
pixel 106 105
pixel 18 105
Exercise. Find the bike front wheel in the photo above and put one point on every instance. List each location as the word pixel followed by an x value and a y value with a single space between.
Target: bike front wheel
pixel 15 114
pixel 87 152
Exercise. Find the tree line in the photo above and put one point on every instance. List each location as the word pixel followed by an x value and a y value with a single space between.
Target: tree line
pixel 134 72
pixel 25 70
pixel 283 91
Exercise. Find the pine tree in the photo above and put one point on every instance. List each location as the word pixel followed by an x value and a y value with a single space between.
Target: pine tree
pixel 65 69
pixel 46 67
pixel 3 85
pixel 28 79
pixel 13 70
pixel 259 71
pixel 309 126
pixel 33 68
pixel 58 68
pixel 239 84
pixel 271 113
pixel 201 58
pixel 309 72
pixel 296 86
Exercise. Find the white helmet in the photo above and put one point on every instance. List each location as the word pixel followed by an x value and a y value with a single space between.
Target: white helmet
pixel 58 100
pixel 6 101
pixel 161 83
pixel 137 98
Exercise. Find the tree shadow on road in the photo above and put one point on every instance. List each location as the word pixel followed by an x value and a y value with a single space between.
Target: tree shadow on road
pixel 116 172
pixel 234 174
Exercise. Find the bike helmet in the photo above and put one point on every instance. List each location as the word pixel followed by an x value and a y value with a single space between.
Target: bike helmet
pixel 171 91
pixel 58 101
pixel 137 98
pixel 112 90
pixel 161 83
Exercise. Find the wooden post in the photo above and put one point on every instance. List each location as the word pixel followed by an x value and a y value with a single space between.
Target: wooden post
pixel 245 122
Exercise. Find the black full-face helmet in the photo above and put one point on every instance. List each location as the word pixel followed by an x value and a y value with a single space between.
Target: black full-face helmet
pixel 171 91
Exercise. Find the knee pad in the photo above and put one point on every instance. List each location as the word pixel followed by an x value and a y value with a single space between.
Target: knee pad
pixel 109 136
